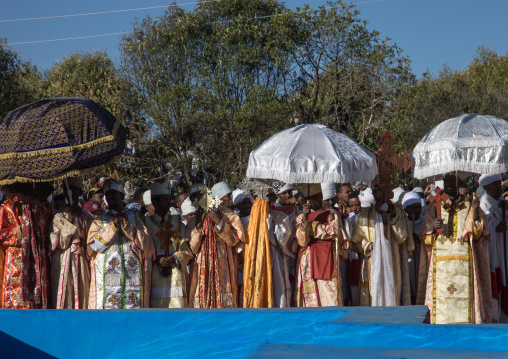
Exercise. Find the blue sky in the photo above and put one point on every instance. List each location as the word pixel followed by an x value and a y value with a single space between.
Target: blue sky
pixel 430 32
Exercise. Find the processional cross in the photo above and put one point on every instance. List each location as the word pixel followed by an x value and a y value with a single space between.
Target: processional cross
pixel 437 197
pixel 388 162
pixel 165 234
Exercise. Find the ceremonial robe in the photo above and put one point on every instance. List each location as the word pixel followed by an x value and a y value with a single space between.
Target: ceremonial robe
pixel 384 277
pixel 70 267
pixel 169 291
pixel 457 289
pixel 121 266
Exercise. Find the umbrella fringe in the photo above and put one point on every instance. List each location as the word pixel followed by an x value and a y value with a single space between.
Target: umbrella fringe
pixel 76 148
pixel 58 176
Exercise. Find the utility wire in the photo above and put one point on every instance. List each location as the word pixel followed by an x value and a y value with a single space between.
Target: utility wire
pixel 108 12
pixel 129 32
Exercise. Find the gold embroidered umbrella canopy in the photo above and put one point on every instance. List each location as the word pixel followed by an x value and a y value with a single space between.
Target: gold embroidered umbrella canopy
pixel 55 138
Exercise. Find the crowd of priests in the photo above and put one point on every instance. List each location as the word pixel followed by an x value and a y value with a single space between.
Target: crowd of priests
pixel 313 245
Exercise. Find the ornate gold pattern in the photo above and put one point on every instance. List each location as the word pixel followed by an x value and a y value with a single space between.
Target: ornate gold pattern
pixel 207 201
pixel 114 299
pixel 114 263
pixel 132 262
pixel 133 298
pixel 452 289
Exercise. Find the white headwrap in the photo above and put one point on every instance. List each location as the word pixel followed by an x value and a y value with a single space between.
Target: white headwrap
pixel 113 185
pixel 366 198
pixel 220 190
pixel 488 179
pixel 397 192
pixel 147 197
pixel 411 198
pixel 187 207
pixel 238 196
pixel 328 190
pixel 286 187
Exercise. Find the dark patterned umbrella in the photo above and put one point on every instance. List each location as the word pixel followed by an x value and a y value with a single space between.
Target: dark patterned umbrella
pixel 56 138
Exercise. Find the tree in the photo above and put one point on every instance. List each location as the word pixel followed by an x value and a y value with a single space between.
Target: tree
pixel 213 82
pixel 19 80
pixel 348 77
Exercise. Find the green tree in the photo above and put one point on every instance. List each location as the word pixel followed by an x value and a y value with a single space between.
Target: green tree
pixel 213 81
pixel 19 80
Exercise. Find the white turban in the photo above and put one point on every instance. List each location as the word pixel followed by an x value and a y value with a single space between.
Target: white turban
pixel 397 192
pixel 220 190
pixel 238 196
pixel 147 197
pixel 187 207
pixel 328 190
pixel 488 179
pixel 418 190
pixel 366 198
pixel 111 184
pixel 439 184
pixel 285 188
pixel 411 198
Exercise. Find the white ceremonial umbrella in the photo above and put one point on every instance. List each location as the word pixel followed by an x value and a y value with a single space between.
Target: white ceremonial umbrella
pixel 469 143
pixel 312 153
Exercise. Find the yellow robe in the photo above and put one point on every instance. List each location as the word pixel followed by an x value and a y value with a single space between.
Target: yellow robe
pixel 257 270
pixel 169 291
pixel 456 267
pixel 402 246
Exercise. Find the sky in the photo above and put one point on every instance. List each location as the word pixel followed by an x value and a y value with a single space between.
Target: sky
pixel 430 32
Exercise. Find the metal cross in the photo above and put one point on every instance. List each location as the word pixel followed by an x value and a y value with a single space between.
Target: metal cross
pixel 438 197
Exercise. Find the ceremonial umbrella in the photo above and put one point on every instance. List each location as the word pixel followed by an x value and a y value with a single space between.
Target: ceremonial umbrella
pixel 311 153
pixel 55 138
pixel 469 143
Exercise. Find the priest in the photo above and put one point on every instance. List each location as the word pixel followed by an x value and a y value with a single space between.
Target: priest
pixel 169 275
pixel 384 277
pixel 492 204
pixel 458 289
pixel 122 255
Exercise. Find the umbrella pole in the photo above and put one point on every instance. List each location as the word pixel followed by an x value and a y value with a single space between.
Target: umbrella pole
pixel 69 192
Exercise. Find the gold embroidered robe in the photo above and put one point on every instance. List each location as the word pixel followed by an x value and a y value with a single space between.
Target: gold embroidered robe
pixel 401 244
pixel 228 236
pixel 70 269
pixel 121 265
pixel 311 292
pixel 457 286
pixel 169 291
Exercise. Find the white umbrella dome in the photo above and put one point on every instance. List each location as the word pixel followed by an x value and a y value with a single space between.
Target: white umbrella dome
pixel 469 143
pixel 312 153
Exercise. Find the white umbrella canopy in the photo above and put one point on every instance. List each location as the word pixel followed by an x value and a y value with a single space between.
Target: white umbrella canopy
pixel 312 153
pixel 469 143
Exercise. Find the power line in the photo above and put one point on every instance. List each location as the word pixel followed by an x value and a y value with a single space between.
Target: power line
pixel 108 12
pixel 129 32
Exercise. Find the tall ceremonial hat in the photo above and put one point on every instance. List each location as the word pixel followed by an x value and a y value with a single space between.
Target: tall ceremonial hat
pixel 328 190
pixel 112 185
pixel 220 190
pixel 158 189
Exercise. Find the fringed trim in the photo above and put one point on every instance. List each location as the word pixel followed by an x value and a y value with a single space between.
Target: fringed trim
pixel 315 177
pixel 60 176
pixel 76 148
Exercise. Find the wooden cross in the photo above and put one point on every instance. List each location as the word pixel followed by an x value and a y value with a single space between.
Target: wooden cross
pixel 387 163
pixel 437 197
pixel 164 234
